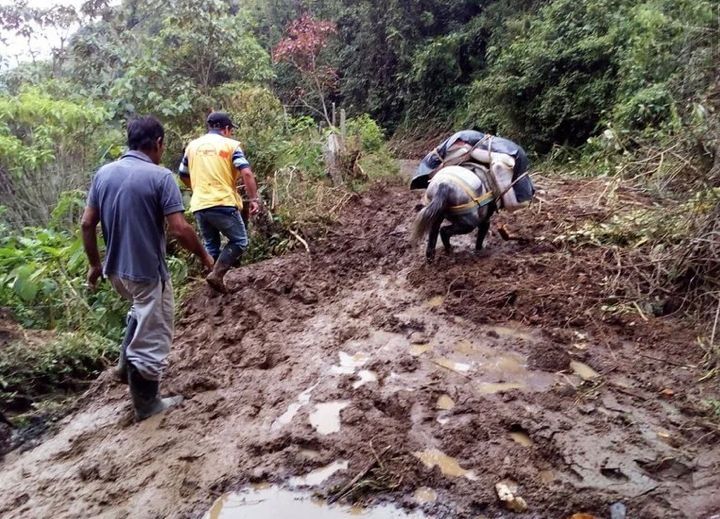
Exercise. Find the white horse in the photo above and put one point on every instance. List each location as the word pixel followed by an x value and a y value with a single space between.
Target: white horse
pixel 458 195
pixel 467 195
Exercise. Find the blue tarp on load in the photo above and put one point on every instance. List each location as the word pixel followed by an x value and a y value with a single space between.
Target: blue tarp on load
pixel 523 188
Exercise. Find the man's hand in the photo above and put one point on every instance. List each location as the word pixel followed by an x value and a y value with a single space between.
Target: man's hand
pixel 93 275
pixel 208 261
pixel 251 189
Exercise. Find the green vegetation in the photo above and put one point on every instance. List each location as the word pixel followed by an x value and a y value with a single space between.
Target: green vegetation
pixel 29 371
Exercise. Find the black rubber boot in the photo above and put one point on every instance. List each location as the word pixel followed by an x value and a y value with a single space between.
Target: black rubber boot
pixel 144 395
pixel 121 371
pixel 228 257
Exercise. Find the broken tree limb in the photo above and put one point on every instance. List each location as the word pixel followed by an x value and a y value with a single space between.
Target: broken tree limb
pixel 301 240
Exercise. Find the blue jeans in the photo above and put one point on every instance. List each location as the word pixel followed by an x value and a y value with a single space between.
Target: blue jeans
pixel 222 220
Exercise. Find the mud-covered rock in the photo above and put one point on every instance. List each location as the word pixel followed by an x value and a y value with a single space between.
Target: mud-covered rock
pixel 549 357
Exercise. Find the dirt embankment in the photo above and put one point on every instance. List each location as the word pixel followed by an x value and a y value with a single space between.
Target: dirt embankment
pixel 457 375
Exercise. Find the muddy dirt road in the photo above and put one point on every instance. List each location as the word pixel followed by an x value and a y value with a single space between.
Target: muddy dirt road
pixel 433 383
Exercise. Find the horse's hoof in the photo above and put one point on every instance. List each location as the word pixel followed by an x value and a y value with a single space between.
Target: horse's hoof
pixel 482 253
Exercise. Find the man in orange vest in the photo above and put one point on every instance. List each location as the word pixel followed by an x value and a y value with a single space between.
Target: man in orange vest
pixel 211 167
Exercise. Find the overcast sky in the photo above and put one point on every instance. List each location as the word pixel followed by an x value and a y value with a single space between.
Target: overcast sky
pixel 41 43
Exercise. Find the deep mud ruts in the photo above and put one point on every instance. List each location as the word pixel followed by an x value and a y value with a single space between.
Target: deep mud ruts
pixel 457 375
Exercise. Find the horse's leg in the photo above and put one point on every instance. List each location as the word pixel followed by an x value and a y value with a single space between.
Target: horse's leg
pixel 446 238
pixel 453 229
pixel 483 228
pixel 432 240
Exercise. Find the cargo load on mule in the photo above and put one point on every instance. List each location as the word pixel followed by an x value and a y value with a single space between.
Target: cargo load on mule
pixel 500 164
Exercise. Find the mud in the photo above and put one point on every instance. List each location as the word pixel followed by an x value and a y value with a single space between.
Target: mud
pixel 422 385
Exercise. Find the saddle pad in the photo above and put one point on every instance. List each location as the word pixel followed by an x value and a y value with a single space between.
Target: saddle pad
pixel 451 173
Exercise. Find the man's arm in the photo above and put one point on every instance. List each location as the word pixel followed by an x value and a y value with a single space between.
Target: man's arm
pixel 243 166
pixel 88 226
pixel 184 171
pixel 185 235
pixel 251 188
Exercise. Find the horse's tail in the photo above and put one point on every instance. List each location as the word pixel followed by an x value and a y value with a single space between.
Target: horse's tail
pixel 434 211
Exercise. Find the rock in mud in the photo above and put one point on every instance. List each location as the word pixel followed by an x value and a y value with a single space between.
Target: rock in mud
pixel 507 493
pixel 549 357
pixel 418 338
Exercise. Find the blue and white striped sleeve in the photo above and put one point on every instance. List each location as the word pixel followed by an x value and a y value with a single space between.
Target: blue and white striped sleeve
pixel 184 169
pixel 239 160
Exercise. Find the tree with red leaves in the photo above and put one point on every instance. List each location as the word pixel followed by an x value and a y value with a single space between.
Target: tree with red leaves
pixel 304 41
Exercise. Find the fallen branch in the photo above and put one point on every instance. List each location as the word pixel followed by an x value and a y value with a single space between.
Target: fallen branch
pixel 664 360
pixel 300 239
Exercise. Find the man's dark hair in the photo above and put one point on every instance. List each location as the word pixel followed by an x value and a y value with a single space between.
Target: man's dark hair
pixel 143 132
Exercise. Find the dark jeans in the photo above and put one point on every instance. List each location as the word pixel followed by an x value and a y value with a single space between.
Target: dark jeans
pixel 226 221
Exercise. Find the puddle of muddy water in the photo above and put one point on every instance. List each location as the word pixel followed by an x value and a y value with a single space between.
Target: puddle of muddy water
pixel 419 349
pixel 448 466
pixel 277 503
pixel 506 332
pixel 465 347
pixel 521 438
pixel 325 419
pixel 424 495
pixel 498 371
pixel 583 371
pixel 317 476
pixel 488 388
pixel 435 301
pixel 508 363
pixel 365 377
pixel 546 476
pixel 285 418
pixel 308 454
pixel 457 367
pixel 349 363
pixel 445 403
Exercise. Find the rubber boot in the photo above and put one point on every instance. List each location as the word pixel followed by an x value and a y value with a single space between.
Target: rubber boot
pixel 216 278
pixel 144 395
pixel 121 371
pixel 229 255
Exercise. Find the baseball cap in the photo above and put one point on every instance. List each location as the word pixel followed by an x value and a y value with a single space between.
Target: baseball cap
pixel 220 120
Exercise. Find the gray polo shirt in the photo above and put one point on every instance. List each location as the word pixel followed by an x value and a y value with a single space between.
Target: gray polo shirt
pixel 133 196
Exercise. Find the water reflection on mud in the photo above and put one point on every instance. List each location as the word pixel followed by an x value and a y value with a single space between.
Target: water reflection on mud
pixel 277 503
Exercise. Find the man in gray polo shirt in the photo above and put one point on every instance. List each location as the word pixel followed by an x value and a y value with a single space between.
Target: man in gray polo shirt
pixel 132 198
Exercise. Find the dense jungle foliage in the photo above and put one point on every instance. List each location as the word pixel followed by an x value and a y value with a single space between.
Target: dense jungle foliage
pixel 601 87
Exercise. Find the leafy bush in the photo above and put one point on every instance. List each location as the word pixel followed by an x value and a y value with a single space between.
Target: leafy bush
pixel 371 136
pixel 581 66
pixel 42 281
pixel 28 370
